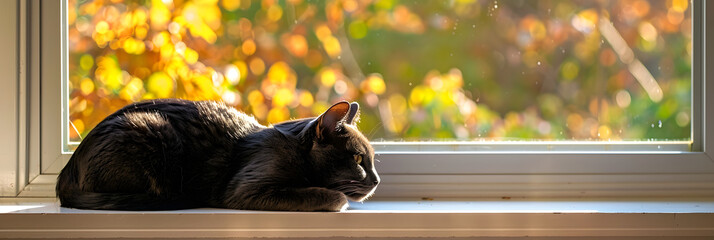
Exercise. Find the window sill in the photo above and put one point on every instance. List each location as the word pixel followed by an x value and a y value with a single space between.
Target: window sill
pixel 33 218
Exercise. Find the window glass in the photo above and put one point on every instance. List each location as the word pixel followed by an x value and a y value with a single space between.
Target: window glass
pixel 465 70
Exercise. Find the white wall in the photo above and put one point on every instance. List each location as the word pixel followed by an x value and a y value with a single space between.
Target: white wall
pixel 9 75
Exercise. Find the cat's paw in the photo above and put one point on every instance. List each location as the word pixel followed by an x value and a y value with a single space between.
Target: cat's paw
pixel 342 205
pixel 334 202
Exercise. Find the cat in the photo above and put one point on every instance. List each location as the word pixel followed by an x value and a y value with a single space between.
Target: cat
pixel 175 154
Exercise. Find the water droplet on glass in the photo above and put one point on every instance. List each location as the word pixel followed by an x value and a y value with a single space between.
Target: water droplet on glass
pixel 451 54
pixel 369 63
pixel 410 84
pixel 473 26
pixel 660 124
pixel 538 63
pixel 659 147
pixel 653 125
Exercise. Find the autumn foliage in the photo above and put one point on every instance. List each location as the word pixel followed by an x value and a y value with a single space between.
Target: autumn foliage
pixel 424 70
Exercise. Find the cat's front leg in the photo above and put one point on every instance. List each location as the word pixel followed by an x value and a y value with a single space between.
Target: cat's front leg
pixel 287 199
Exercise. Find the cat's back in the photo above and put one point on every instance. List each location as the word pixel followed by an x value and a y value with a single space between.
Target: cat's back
pixel 200 119
pixel 166 126
pixel 222 119
pixel 190 132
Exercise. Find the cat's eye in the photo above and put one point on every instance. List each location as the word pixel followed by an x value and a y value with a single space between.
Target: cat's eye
pixel 358 159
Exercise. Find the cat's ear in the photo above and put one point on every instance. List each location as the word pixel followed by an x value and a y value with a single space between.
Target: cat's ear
pixel 354 112
pixel 328 122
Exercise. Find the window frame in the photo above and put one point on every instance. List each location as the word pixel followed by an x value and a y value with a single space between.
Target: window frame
pixel 411 170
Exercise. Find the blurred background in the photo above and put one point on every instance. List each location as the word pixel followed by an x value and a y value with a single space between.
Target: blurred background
pixel 457 70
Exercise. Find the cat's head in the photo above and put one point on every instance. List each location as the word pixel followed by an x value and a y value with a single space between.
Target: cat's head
pixel 338 151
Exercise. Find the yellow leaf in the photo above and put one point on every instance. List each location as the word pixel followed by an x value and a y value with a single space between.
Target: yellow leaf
pixel 275 13
pixel 332 46
pixel 102 27
pixel 257 66
pixel 282 97
pixel 230 5
pixel 160 84
pixel 374 83
pixel 678 5
pixel 191 56
pixel 297 45
pixel 248 47
pixel 86 86
pixel 323 32
pixel 280 73
pixel 86 61
pixel 328 78
pixel 277 115
pixel 255 98
pixel 159 14
pixel 306 99
pixel 604 132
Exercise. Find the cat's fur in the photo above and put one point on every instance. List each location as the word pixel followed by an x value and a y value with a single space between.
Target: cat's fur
pixel 174 154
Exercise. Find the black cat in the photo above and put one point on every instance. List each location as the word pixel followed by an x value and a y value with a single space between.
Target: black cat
pixel 175 154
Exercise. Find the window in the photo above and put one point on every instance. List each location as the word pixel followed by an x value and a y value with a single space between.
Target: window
pixel 583 71
pixel 614 163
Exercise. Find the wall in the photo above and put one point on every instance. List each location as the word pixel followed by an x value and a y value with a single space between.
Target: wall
pixel 9 97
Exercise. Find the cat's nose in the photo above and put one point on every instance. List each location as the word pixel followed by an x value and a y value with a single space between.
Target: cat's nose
pixel 375 182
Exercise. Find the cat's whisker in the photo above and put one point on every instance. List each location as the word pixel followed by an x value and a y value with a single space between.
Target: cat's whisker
pixel 373 131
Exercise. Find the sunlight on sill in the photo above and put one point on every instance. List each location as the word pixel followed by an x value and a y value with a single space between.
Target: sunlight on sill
pixel 477 206
pixel 19 208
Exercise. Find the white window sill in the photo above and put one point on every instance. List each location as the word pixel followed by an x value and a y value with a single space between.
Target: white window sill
pixel 32 218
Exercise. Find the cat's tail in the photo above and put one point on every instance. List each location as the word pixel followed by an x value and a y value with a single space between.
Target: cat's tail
pixel 72 196
pixel 122 201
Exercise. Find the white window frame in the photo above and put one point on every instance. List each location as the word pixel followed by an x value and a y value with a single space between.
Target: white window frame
pixel 542 169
